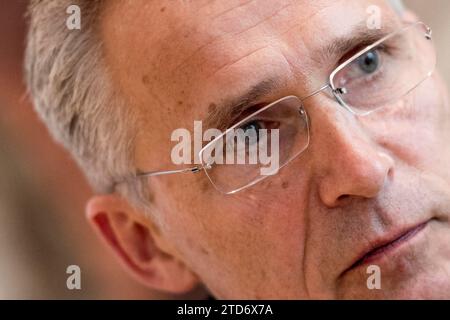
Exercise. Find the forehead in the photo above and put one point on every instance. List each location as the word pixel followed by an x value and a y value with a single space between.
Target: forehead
pixel 176 58
pixel 186 41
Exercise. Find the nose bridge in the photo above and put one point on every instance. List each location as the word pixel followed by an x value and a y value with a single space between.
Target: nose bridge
pixel 341 137
pixel 346 159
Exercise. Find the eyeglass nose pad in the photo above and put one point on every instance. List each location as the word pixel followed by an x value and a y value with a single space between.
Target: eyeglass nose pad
pixel 340 91
pixel 429 34
pixel 207 166
pixel 301 111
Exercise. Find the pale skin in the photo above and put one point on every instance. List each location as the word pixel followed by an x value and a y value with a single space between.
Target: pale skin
pixel 294 235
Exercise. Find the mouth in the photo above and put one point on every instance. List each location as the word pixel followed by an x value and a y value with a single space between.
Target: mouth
pixel 387 245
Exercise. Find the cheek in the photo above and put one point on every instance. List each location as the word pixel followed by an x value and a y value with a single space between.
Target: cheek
pixel 429 138
pixel 254 239
pixel 412 129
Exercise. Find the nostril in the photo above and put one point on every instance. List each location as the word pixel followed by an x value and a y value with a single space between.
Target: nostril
pixel 342 197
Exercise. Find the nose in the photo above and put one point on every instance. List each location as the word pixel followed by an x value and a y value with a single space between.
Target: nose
pixel 348 162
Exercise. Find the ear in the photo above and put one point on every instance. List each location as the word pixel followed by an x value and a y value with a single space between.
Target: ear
pixel 132 238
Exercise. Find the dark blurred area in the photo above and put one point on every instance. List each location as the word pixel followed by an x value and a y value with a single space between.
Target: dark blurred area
pixel 43 194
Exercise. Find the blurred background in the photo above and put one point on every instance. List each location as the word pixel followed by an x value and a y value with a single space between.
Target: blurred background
pixel 43 194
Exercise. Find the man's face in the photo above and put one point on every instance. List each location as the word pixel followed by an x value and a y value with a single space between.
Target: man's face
pixel 312 230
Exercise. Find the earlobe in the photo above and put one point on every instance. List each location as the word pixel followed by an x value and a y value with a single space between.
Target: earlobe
pixel 133 241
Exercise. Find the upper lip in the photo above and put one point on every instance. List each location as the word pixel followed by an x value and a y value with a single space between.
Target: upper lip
pixel 380 244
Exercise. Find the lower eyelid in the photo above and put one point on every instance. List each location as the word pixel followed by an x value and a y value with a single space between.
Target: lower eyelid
pixel 366 79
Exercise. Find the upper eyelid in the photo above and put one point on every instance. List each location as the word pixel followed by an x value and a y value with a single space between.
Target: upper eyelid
pixel 254 107
pixel 361 38
pixel 250 110
pixel 356 49
pixel 385 48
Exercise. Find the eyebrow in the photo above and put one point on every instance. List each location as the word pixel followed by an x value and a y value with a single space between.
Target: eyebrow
pixel 361 36
pixel 221 116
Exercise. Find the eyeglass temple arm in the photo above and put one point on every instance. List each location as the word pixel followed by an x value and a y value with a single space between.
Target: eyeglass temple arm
pixel 160 173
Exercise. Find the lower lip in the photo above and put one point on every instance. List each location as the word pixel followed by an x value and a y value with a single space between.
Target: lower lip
pixel 392 246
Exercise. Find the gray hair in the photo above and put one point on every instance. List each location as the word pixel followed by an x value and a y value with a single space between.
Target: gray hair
pixel 70 88
pixel 73 94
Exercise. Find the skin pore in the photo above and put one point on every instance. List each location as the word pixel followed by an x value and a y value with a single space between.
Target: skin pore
pixel 362 180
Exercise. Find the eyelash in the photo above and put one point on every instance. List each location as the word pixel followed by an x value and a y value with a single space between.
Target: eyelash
pixel 247 112
pixel 386 48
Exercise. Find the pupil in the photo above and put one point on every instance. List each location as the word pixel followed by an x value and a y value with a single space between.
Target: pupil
pixel 252 126
pixel 252 129
pixel 369 62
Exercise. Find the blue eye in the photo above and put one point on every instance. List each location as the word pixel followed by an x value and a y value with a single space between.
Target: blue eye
pixel 253 126
pixel 252 131
pixel 369 62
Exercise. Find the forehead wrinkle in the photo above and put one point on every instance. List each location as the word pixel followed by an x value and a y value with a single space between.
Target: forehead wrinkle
pixel 241 4
pixel 255 47
pixel 212 37
pixel 268 41
pixel 282 33
pixel 265 17
pixel 222 31
pixel 206 56
pixel 231 63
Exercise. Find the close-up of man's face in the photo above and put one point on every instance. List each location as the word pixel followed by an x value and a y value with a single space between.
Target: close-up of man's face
pixel 364 180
